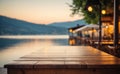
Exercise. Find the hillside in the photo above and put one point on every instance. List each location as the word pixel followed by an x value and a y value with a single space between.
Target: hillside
pixel 68 24
pixel 10 26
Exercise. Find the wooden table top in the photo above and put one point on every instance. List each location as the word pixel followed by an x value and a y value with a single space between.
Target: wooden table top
pixel 66 57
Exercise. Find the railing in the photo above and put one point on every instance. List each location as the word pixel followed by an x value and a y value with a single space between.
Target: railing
pixel 91 41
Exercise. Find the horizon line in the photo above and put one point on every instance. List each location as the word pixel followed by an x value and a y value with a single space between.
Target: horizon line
pixel 39 23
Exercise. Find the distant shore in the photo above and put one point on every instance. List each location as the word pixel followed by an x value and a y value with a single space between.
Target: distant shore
pixel 35 36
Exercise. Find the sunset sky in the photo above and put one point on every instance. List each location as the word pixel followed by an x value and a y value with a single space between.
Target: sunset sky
pixel 38 11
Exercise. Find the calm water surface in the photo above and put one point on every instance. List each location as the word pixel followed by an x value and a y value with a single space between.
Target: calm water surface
pixel 11 48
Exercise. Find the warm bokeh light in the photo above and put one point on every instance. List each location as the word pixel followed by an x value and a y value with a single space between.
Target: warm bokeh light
pixel 94 30
pixel 108 30
pixel 71 41
pixel 71 30
pixel 104 12
pixel 107 26
pixel 90 9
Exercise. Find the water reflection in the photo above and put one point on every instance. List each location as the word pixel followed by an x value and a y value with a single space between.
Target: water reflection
pixel 4 43
pixel 12 49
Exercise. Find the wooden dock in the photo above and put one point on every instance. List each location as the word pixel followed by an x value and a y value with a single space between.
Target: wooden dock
pixel 66 60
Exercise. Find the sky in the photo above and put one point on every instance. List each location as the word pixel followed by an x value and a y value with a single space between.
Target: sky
pixel 38 11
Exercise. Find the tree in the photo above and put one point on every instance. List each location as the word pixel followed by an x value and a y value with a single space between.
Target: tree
pixel 79 6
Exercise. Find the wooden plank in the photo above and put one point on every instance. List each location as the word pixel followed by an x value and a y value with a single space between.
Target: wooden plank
pixel 64 71
pixel 66 60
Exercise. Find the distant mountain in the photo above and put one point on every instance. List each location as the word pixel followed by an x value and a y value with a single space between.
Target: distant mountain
pixel 68 24
pixel 10 26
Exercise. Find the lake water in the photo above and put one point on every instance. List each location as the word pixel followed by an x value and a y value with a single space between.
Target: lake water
pixel 13 47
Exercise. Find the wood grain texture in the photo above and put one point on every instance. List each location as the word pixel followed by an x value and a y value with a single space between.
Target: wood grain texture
pixel 66 60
